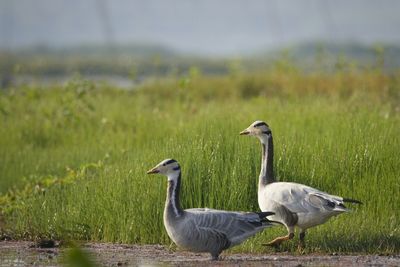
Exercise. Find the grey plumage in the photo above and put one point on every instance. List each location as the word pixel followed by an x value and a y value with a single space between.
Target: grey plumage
pixel 209 230
pixel 202 229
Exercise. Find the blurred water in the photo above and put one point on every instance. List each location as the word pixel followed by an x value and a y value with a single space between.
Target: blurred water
pixel 47 81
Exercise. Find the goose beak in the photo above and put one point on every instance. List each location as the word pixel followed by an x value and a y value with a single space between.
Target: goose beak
pixel 245 132
pixel 154 170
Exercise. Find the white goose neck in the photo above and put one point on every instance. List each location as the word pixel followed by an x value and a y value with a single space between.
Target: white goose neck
pixel 263 139
pixel 173 176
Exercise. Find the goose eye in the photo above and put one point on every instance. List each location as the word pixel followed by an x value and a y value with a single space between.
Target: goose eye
pixel 164 164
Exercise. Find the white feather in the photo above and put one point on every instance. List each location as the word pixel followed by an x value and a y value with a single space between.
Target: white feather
pixel 309 204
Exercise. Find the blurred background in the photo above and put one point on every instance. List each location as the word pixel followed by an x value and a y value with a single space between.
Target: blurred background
pixel 124 42
pixel 93 93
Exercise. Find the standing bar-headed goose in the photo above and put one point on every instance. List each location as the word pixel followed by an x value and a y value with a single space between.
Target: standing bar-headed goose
pixel 294 204
pixel 204 230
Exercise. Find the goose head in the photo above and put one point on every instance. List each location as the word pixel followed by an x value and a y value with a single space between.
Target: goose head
pixel 258 129
pixel 167 167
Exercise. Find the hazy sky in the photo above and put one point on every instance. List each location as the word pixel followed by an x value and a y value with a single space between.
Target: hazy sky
pixel 206 27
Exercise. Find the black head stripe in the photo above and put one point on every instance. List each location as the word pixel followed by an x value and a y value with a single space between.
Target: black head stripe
pixel 176 168
pixel 170 161
pixel 260 123
pixel 267 132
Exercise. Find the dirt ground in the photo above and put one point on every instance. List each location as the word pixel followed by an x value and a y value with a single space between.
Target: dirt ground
pixel 17 253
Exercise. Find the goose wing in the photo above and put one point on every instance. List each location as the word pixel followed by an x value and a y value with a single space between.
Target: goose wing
pixel 300 198
pixel 225 227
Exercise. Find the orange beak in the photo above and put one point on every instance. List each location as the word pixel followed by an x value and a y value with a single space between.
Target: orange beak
pixel 154 170
pixel 245 132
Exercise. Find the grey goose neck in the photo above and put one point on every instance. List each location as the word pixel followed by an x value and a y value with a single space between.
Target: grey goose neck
pixel 172 204
pixel 267 162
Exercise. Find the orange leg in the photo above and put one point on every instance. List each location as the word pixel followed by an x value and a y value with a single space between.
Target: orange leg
pixel 277 241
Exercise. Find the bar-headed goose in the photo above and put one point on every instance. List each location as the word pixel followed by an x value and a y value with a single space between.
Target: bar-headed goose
pixel 204 230
pixel 294 204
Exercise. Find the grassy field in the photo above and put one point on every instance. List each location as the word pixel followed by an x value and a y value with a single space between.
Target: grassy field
pixel 74 158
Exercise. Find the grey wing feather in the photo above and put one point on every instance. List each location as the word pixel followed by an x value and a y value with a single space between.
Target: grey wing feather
pixel 235 226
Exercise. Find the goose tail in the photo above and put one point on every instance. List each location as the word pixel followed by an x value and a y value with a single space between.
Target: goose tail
pixel 349 200
pixel 263 216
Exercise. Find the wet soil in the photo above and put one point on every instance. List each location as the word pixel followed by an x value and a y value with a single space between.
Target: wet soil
pixel 22 253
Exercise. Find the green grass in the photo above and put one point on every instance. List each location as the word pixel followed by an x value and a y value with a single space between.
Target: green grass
pixel 74 158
